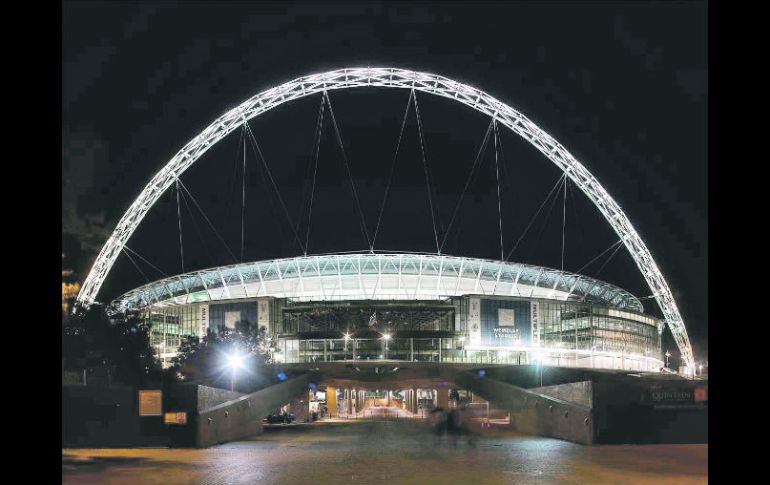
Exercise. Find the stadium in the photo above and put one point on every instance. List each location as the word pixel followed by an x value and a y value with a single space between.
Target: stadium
pixel 406 307
pixel 401 306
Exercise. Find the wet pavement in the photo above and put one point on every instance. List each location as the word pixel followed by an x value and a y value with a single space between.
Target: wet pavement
pixel 390 452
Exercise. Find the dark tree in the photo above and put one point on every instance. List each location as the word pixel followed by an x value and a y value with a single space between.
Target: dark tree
pixel 206 360
pixel 117 347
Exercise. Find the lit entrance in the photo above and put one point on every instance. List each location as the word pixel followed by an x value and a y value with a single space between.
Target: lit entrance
pixel 384 403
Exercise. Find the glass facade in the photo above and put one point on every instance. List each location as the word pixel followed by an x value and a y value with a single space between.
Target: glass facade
pixel 568 334
pixel 511 330
pixel 354 316
pixel 168 326
pixel 226 315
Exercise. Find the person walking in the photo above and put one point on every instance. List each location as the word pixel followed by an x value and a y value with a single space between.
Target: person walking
pixel 438 420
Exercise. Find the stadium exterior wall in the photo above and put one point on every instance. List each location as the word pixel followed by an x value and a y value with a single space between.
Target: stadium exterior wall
pixel 433 311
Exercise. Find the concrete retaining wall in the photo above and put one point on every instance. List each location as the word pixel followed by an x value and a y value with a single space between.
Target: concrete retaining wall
pixel 208 397
pixel 575 392
pixel 107 416
pixel 534 413
pixel 242 417
pixel 639 412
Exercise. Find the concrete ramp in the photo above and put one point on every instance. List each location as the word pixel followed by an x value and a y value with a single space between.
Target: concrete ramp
pixel 532 412
pixel 242 417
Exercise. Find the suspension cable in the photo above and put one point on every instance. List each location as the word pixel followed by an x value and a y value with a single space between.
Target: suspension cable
pixel 425 167
pixel 195 224
pixel 234 176
pixel 526 229
pixel 499 202
pixel 347 167
pixel 482 149
pixel 258 151
pixel 564 222
pixel 596 275
pixel 179 218
pixel 157 297
pixel 243 198
pixel 576 216
pixel 306 181
pixel 506 176
pixel 181 184
pixel 546 220
pixel 392 170
pixel 143 259
pixel 599 255
pixel 135 265
pixel 319 133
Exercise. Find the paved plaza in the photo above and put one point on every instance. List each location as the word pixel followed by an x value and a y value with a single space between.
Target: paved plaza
pixel 389 452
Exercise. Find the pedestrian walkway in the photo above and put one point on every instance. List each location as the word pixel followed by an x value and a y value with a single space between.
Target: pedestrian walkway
pixel 390 452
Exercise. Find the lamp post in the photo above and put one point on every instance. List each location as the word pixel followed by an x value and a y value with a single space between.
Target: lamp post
pixel 668 354
pixel 541 374
pixel 539 360
pixel 386 337
pixel 346 337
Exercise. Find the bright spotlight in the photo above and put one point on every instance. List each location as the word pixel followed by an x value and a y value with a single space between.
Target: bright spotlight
pixel 235 361
pixel 347 336
pixel 386 336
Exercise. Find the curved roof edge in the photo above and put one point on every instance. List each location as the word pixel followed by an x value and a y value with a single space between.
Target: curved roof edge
pixel 374 275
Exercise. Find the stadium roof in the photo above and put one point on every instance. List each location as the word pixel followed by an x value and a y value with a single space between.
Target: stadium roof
pixel 374 276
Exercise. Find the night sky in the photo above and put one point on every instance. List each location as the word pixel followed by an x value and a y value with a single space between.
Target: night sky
pixel 623 87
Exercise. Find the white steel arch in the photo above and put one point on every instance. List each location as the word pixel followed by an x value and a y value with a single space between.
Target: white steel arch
pixel 394 78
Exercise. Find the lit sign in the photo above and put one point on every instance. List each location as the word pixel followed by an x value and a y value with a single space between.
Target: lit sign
pixel 204 320
pixel 503 323
pixel 535 322
pixel 150 403
pixel 672 396
pixel 175 418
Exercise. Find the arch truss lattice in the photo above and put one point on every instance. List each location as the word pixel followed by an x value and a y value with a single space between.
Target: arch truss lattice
pixel 405 79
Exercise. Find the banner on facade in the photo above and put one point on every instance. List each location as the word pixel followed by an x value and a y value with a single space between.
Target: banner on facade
pixel 535 323
pixel 204 320
pixel 474 321
pixel 263 314
pixel 502 322
pixel 505 331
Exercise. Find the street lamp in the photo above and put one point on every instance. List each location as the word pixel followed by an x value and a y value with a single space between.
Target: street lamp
pixel 346 337
pixel 386 337
pixel 668 354
pixel 234 361
pixel 539 360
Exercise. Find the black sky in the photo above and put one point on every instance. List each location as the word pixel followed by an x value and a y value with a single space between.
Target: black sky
pixel 622 86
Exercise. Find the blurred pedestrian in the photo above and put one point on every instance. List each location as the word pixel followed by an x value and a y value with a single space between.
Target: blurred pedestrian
pixel 454 425
pixel 465 424
pixel 438 420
